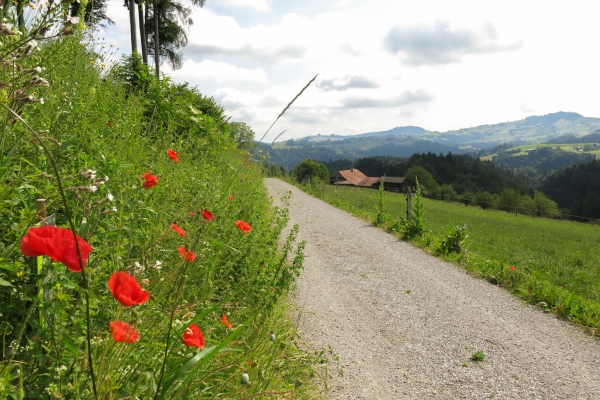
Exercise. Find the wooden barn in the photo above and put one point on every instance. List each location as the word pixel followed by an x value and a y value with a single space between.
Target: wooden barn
pixel 353 177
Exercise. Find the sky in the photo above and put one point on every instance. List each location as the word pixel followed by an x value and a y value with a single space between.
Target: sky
pixel 438 64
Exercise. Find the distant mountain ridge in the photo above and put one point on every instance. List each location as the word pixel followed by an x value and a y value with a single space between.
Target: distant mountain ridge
pixel 533 129
pixel 403 141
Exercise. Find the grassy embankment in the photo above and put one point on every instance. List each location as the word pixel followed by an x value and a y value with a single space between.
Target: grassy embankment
pixel 84 149
pixel 556 263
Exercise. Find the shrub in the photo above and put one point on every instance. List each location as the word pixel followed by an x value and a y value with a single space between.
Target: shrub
pixel 453 240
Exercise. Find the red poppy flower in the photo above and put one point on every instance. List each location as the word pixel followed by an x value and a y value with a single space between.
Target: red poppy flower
pixel 173 155
pixel 56 243
pixel 244 226
pixel 126 289
pixel 149 180
pixel 207 215
pixel 187 255
pixel 229 198
pixel 512 268
pixel 178 230
pixel 109 123
pixel 123 332
pixel 193 336
pixel 225 322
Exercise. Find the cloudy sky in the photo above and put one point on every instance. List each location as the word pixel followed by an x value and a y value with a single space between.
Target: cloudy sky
pixel 437 64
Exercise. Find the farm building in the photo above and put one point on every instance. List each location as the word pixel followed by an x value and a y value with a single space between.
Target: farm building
pixel 353 177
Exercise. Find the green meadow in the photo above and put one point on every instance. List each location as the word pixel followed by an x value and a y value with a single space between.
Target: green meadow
pixel 556 263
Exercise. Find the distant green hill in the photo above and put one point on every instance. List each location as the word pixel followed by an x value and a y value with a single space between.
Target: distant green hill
pixel 404 141
pixel 534 129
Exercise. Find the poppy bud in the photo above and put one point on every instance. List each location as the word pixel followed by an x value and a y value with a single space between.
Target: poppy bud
pixel 245 379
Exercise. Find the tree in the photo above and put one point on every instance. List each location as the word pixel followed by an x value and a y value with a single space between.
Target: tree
pixel 142 17
pixel 242 133
pixel 509 199
pixel 95 12
pixel 310 168
pixel 467 198
pixel 167 29
pixel 543 205
pixel 447 192
pixel 426 181
pixel 484 199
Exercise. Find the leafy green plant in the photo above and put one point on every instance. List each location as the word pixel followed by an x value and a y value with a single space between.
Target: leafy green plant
pixel 453 240
pixel 478 356
pixel 160 197
pixel 415 226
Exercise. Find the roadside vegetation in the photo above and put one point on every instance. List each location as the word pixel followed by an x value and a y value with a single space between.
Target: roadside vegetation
pixel 550 263
pixel 157 274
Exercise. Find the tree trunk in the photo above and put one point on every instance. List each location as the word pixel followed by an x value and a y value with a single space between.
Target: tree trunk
pixel 143 37
pixel 156 44
pixel 132 27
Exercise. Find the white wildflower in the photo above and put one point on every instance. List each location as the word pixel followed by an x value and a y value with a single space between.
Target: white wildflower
pixel 110 197
pixel 157 265
pixel 138 267
pixel 114 209
pixel 93 188
pixel 72 20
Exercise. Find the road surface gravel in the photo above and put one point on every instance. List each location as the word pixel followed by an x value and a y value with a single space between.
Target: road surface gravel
pixel 405 324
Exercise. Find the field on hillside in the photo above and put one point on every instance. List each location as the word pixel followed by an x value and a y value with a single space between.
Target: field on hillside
pixel 566 147
pixel 556 263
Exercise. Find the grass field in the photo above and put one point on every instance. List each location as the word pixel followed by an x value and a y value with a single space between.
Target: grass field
pixel 566 147
pixel 556 263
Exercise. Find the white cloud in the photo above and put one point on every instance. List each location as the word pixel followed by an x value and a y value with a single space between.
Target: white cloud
pixel 260 5
pixel 218 72
pixel 370 56
pixel 438 44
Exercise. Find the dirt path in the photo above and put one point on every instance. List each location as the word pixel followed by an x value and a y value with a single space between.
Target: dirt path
pixel 405 324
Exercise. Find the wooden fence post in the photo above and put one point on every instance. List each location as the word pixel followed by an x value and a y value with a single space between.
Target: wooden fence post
pixel 408 203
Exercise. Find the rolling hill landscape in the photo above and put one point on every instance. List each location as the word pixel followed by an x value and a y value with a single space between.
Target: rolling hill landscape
pixel 407 140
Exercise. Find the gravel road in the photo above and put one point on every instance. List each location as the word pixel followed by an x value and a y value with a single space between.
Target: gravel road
pixel 405 324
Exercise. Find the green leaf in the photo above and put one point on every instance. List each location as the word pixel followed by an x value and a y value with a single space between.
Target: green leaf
pixel 4 283
pixel 202 358
pixel 70 344
pixel 219 243
pixel 63 147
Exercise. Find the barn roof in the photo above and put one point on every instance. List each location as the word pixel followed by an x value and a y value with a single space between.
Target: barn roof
pixel 349 177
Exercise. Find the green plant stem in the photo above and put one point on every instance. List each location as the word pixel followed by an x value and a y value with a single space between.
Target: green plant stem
pixel 164 363
pixel 72 225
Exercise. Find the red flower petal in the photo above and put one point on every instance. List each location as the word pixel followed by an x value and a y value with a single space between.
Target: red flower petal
pixel 126 289
pixel 193 336
pixel 512 268
pixel 173 155
pixel 225 322
pixel 244 226
pixel 229 198
pixel 149 180
pixel 207 215
pixel 56 243
pixel 187 255
pixel 123 332
pixel 178 230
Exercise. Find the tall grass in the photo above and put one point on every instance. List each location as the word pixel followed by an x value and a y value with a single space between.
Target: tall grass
pixel 555 264
pixel 85 149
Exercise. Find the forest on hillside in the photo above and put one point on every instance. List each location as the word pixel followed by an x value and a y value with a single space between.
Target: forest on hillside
pixel 577 188
pixel 538 163
pixel 463 172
